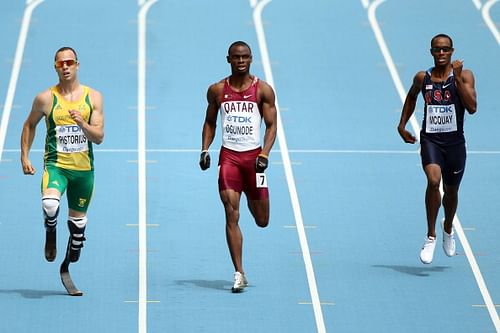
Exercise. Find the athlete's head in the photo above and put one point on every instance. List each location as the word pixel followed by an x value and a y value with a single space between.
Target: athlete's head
pixel 239 55
pixel 66 63
pixel 66 48
pixel 442 36
pixel 238 43
pixel 441 49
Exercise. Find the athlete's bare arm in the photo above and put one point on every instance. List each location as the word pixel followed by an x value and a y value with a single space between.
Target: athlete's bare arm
pixel 213 94
pixel 39 109
pixel 409 107
pixel 94 129
pixel 269 113
pixel 464 80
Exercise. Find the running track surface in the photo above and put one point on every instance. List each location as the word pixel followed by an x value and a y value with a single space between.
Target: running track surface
pixel 347 211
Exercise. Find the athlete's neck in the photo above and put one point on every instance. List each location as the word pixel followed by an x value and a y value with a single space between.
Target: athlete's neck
pixel 240 82
pixel 441 72
pixel 69 90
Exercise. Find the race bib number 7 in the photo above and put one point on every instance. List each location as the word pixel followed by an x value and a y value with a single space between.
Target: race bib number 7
pixel 261 180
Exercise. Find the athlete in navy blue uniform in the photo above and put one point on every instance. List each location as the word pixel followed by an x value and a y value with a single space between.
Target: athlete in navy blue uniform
pixel 448 90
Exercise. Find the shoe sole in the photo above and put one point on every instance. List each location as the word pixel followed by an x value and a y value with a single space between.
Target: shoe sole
pixel 237 290
pixel 425 262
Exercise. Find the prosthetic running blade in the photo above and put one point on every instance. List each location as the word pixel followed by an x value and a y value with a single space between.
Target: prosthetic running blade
pixel 66 277
pixel 67 281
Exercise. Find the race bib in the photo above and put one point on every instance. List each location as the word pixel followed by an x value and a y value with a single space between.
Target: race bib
pixel 440 119
pixel 70 139
pixel 261 180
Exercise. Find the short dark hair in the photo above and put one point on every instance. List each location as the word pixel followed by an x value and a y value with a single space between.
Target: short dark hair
pixel 442 36
pixel 66 48
pixel 238 43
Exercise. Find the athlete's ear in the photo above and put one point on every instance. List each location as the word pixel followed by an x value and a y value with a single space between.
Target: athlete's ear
pixel 228 60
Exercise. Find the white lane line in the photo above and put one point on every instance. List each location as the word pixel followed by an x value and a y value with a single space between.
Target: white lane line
pixel 257 18
pixel 477 3
pixel 16 68
pixel 485 11
pixel 483 305
pixel 416 128
pixel 477 273
pixel 141 146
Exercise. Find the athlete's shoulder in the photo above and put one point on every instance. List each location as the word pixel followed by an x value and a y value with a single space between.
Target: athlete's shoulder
pixel 45 96
pixel 47 93
pixel 93 92
pixel 418 79
pixel 261 82
pixel 265 89
pixel 43 101
pixel 216 88
pixel 95 97
pixel 420 75
pixel 417 83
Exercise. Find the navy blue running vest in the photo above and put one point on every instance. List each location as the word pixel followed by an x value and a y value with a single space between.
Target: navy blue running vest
pixel 443 121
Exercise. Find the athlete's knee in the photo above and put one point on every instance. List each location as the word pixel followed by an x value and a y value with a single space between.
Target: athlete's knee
pixel 231 208
pixel 433 175
pixel 232 214
pixel 450 192
pixel 433 183
pixel 261 217
pixel 76 227
pixel 262 221
pixel 50 205
pixel 260 211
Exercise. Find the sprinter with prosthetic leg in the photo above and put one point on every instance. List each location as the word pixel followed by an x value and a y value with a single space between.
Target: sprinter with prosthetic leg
pixel 74 118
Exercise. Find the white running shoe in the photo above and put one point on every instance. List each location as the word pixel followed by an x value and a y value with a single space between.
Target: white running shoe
pixel 448 242
pixel 427 252
pixel 240 282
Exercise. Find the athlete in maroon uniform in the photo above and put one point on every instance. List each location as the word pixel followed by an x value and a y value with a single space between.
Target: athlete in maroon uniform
pixel 243 101
pixel 448 90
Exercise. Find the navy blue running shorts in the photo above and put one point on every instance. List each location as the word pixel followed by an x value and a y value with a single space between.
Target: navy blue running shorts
pixel 451 159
